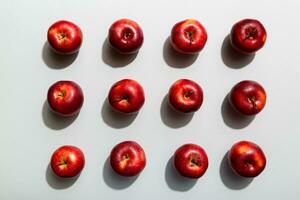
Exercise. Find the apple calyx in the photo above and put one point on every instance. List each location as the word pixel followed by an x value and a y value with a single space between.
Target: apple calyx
pixel 251 33
pixel 126 98
pixel 249 165
pixel 63 36
pixel 127 34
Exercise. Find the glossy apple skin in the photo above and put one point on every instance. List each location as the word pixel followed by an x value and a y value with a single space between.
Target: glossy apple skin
pixel 64 37
pixel 248 97
pixel 126 96
pixel 248 36
pixel 191 160
pixel 67 161
pixel 65 98
pixel 247 159
pixel 185 96
pixel 128 158
pixel 188 36
pixel 126 36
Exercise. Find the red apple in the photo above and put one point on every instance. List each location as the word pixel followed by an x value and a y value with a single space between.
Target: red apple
pixel 64 37
pixel 65 98
pixel 191 160
pixel 128 158
pixel 67 161
pixel 188 36
pixel 248 97
pixel 248 36
pixel 185 96
pixel 126 36
pixel 247 159
pixel 126 96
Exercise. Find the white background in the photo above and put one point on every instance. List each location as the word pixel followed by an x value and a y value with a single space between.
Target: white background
pixel 29 133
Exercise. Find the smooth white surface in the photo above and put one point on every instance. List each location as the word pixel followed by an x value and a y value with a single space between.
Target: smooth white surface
pixel 29 134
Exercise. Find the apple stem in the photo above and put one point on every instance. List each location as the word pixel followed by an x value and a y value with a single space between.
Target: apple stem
pixel 252 101
pixel 194 162
pixel 188 94
pixel 190 34
pixel 62 93
pixel 127 156
pixel 64 162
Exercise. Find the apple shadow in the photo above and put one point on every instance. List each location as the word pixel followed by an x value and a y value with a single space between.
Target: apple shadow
pixel 172 118
pixel 232 58
pixel 115 59
pixel 57 182
pixel 175 181
pixel 114 118
pixel 175 59
pixel 54 60
pixel 114 180
pixel 229 178
pixel 232 118
pixel 53 120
